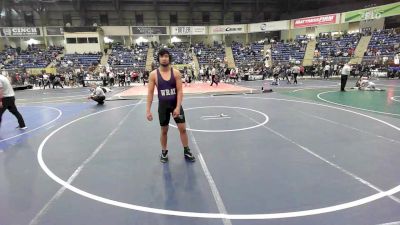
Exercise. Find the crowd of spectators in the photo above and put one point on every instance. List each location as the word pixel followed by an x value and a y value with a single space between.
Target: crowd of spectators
pixel 247 54
pixel 383 42
pixel 209 54
pixel 81 60
pixel 181 52
pixel 329 46
pixel 289 51
pixel 32 57
pixel 133 56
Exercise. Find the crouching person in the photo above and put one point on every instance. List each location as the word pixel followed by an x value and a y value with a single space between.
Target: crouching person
pixel 98 94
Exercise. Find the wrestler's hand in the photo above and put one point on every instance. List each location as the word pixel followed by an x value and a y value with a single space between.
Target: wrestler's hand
pixel 176 113
pixel 149 116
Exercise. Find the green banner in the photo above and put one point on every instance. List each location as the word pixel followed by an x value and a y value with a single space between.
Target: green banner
pixel 372 13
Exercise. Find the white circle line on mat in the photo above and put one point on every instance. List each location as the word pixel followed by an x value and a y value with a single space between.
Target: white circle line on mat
pixel 353 107
pixel 310 212
pixel 230 130
pixel 37 128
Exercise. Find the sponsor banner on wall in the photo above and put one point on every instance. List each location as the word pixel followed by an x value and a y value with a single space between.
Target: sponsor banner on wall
pixel 19 31
pixel 199 30
pixel 188 30
pixel 228 29
pixel 372 13
pixel 54 31
pixel 149 30
pixel 316 21
pixel 269 26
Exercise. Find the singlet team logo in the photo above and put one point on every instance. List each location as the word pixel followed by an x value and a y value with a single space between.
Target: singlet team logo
pixel 168 92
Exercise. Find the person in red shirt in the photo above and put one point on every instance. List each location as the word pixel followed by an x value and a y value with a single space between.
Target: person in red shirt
pixel 302 71
pixel 134 76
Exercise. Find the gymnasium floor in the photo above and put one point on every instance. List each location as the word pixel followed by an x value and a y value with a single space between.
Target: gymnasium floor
pixel 304 154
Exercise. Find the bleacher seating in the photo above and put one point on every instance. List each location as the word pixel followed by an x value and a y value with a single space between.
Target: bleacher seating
pixel 383 43
pixel 81 60
pixel 33 57
pixel 180 53
pixel 209 55
pixel 6 54
pixel 135 56
pixel 292 51
pixel 336 47
pixel 247 55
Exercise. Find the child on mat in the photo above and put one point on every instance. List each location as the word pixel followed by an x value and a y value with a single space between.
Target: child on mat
pixel 364 84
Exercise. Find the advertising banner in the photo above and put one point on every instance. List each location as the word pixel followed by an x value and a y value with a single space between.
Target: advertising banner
pixel 269 26
pixel 19 31
pixel 199 30
pixel 149 30
pixel 188 30
pixel 228 29
pixel 372 13
pixel 316 21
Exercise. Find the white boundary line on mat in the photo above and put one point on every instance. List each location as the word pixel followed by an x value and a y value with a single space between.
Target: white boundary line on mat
pixel 310 212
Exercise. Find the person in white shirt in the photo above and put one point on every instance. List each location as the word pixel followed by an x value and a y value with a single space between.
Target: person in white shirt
pixel 335 69
pixel 103 77
pixel 345 72
pixel 213 77
pixel 112 78
pixel 202 74
pixel 7 101
pixel 46 81
pixel 296 72
pixel 326 70
pixel 98 94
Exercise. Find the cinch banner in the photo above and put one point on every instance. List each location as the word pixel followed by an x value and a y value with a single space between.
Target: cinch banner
pixel 372 13
pixel 316 21
pixel 19 31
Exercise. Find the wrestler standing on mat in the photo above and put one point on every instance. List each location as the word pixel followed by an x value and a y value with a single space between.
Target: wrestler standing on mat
pixel 170 95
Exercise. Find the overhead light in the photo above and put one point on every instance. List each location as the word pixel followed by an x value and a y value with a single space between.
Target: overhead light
pixel 141 40
pixel 108 40
pixel 175 39
pixel 32 42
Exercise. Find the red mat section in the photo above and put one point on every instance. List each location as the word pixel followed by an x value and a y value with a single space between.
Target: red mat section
pixel 199 88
